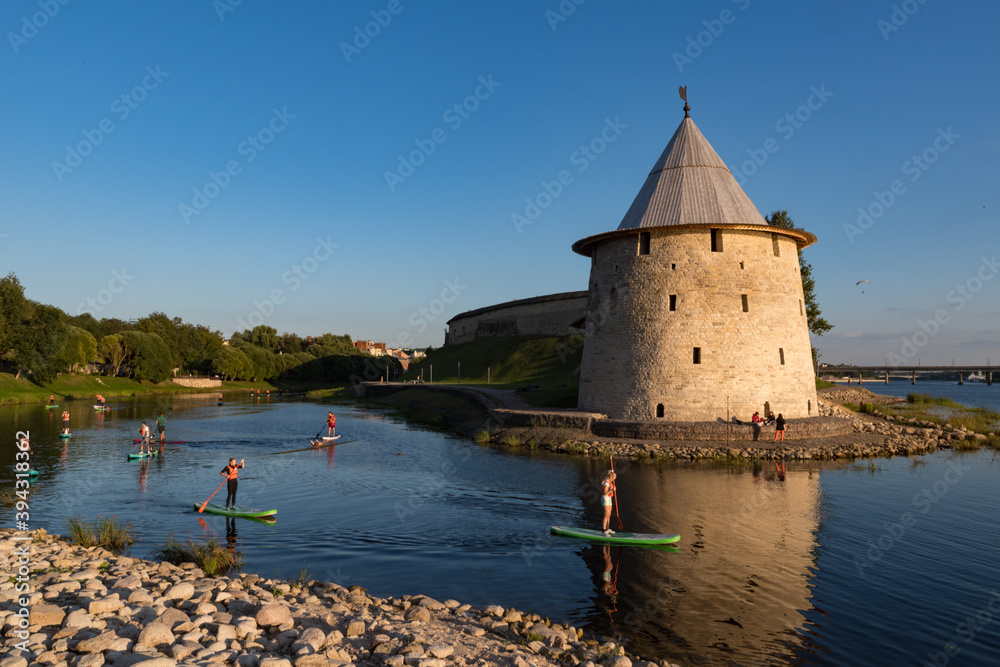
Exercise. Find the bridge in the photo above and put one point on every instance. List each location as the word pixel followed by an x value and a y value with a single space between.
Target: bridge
pixel 886 371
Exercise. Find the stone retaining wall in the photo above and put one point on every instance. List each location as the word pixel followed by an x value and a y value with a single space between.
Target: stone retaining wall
pixel 795 429
pixel 198 382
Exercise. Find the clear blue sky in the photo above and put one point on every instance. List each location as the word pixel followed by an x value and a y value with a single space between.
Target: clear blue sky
pixel 309 129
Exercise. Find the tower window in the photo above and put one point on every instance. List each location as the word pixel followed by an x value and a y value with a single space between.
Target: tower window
pixel 673 267
pixel 643 243
pixel 774 245
pixel 659 410
pixel 697 355
pixel 809 406
pixel 613 301
pixel 746 305
pixel 800 307
pixel 741 265
pixel 673 302
pixel 781 355
pixel 716 240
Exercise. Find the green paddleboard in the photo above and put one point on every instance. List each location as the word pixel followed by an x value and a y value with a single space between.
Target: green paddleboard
pixel 617 538
pixel 65 435
pixel 32 473
pixel 244 512
pixel 133 457
pixel 52 406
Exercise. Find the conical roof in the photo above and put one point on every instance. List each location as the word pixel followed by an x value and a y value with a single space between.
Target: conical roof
pixel 690 185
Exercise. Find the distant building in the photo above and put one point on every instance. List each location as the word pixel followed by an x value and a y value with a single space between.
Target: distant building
pixel 551 315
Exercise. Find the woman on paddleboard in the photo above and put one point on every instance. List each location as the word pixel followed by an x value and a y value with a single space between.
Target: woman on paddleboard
pixel 230 472
pixel 52 399
pixel 331 423
pixel 144 443
pixel 607 495
pixel 65 420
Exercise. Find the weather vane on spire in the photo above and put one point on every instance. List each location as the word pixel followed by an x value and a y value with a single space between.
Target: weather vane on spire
pixel 683 91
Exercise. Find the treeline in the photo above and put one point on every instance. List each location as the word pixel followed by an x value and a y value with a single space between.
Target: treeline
pixel 43 341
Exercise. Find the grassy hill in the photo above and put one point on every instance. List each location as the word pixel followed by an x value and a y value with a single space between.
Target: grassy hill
pixel 511 361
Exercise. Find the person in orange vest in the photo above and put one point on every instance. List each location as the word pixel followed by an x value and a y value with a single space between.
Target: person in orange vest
pixel 230 472
pixel 65 421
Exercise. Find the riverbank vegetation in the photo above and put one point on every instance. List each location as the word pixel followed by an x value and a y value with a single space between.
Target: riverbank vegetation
pixel 106 532
pixel 941 411
pixel 48 347
pixel 211 557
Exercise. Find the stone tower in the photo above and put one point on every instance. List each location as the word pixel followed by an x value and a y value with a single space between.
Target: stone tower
pixel 695 299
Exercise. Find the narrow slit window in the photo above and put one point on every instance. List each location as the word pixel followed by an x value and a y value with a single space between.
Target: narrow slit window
pixel 673 302
pixel 613 301
pixel 716 240
pixel 781 355
pixel 673 267
pixel 659 410
pixel 697 355
pixel 644 243
pixel 746 304
pixel 774 245
pixel 741 266
pixel 800 307
pixel 809 406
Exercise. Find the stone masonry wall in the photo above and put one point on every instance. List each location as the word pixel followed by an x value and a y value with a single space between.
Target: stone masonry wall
pixel 547 318
pixel 639 354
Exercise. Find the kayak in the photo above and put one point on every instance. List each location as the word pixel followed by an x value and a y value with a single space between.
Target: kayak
pixel 153 441
pixel 617 538
pixel 243 512
pixel 133 457
pixel 65 435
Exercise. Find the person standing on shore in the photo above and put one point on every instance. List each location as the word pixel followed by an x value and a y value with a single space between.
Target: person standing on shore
pixel 779 428
pixel 607 498
pixel 231 473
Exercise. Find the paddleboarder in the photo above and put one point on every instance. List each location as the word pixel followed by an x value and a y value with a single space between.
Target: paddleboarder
pixel 65 420
pixel 161 426
pixel 331 423
pixel 144 443
pixel 607 495
pixel 52 399
pixel 230 472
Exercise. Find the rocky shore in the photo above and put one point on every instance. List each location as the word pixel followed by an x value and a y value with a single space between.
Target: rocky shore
pixel 869 436
pixel 87 607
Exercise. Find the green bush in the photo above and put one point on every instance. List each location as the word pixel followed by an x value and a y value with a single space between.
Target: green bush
pixel 213 558
pixel 102 532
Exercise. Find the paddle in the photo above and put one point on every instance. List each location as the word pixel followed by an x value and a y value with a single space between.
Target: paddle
pixel 614 494
pixel 205 504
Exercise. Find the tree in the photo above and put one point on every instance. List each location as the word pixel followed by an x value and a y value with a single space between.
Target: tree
pixel 114 351
pixel 79 348
pixel 151 358
pixel 40 346
pixel 15 316
pixel 230 363
pixel 166 329
pixel 262 336
pixel 817 324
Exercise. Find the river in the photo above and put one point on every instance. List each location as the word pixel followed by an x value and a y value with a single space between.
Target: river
pixel 863 563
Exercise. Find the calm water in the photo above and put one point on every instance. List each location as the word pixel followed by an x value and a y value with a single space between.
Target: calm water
pixel 833 565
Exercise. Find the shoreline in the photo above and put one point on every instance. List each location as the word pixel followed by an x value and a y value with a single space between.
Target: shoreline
pixel 88 607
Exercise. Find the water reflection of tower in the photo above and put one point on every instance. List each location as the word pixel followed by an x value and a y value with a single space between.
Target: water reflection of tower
pixel 736 589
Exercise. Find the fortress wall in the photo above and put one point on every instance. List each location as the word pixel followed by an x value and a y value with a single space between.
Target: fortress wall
pixel 639 354
pixel 550 316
